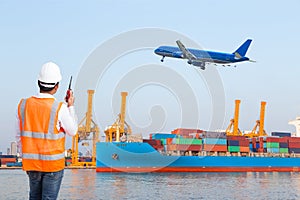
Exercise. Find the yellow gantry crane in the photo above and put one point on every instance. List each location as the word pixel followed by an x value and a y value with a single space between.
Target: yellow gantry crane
pixel 87 131
pixel 119 129
pixel 233 128
pixel 259 123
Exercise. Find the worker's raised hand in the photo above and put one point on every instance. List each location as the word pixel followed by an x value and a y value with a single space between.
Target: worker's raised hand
pixel 71 99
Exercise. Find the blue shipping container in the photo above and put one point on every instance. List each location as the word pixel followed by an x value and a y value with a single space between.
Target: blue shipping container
pixel 294 150
pixel 257 145
pixel 233 143
pixel 158 136
pixel 283 145
pixel 215 141
pixel 273 150
pixel 281 134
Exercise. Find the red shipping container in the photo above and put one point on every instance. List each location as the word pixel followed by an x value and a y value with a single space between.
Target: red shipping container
pixel 244 149
pixel 283 140
pixel 244 143
pixel 188 136
pixel 158 147
pixel 194 147
pixel 8 160
pixel 236 138
pixel 169 140
pixel 273 139
pixel 187 147
pixel 211 147
pixel 171 147
pixel 254 142
pixel 184 147
pixel 294 139
pixel 152 142
pixel 186 131
pixel 294 144
pixel 261 142
pixel 260 150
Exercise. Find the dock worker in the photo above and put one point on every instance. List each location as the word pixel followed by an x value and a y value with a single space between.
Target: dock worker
pixel 42 123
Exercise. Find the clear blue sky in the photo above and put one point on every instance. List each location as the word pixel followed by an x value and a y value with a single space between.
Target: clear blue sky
pixel 66 32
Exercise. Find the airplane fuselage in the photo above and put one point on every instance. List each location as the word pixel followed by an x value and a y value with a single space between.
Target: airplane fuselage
pixel 203 55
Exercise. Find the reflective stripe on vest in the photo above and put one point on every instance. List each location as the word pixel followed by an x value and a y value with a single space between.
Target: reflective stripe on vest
pixel 43 136
pixel 43 157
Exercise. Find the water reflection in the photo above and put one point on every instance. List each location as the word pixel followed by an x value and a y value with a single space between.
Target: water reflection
pixel 87 184
pixel 79 184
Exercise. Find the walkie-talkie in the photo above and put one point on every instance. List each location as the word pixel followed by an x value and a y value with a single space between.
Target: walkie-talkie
pixel 68 91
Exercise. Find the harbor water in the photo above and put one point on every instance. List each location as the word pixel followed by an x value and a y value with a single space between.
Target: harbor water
pixel 87 184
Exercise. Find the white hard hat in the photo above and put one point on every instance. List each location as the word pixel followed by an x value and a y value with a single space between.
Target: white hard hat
pixel 50 73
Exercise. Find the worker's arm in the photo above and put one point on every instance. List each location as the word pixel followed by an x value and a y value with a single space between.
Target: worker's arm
pixel 18 135
pixel 67 117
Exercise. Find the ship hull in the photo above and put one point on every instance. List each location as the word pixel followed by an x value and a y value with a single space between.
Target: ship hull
pixel 142 157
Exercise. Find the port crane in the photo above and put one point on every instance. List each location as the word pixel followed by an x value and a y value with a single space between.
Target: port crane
pixel 233 128
pixel 88 132
pixel 119 130
pixel 259 124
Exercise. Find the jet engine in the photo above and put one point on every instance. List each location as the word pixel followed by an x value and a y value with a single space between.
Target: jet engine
pixel 177 54
pixel 197 63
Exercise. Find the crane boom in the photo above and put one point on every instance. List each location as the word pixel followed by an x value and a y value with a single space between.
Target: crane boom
pixel 89 111
pixel 123 110
pixel 119 128
pixel 260 124
pixel 236 118
pixel 261 131
pixel 234 123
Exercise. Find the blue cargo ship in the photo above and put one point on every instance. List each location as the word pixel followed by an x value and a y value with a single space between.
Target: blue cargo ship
pixel 195 150
pixel 137 157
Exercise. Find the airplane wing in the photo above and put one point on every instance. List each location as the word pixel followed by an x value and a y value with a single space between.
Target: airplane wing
pixel 186 52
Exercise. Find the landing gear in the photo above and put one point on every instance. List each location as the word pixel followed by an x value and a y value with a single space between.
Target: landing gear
pixel 162 60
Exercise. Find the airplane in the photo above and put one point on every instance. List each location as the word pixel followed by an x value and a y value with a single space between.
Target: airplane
pixel 200 58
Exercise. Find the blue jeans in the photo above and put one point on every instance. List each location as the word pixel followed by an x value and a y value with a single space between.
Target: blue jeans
pixel 44 185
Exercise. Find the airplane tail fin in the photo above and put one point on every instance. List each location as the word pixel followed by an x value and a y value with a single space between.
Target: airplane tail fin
pixel 242 50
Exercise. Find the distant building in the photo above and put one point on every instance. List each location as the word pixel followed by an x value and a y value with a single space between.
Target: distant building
pixel 13 148
pixel 8 151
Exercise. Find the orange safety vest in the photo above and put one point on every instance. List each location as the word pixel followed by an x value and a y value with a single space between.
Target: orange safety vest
pixel 43 145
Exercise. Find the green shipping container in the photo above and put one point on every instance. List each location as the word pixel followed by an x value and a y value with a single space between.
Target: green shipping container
pixel 233 148
pixel 188 141
pixel 197 141
pixel 284 150
pixel 163 141
pixel 272 145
